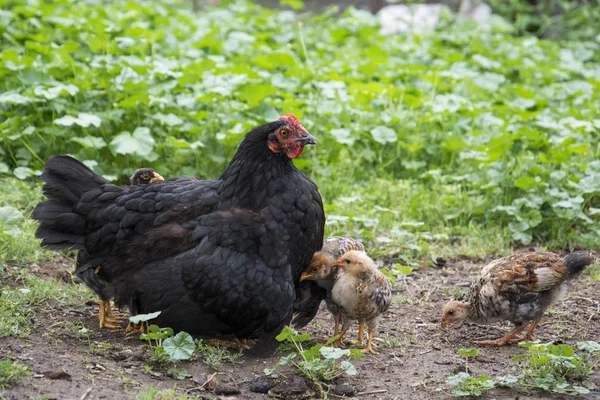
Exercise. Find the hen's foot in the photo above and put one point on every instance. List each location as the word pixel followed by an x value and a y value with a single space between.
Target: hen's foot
pixel 107 318
pixel 135 329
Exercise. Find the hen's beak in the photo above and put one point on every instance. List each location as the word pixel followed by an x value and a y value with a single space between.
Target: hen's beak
pixel 304 276
pixel 445 323
pixel 307 138
pixel 156 178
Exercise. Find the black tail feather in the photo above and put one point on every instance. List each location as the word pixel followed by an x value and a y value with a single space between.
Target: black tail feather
pixel 66 180
pixel 576 262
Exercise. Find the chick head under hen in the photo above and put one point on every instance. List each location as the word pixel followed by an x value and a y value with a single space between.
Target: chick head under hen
pixel 320 267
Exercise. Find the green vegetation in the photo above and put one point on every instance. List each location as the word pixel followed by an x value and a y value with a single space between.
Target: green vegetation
pixel 17 232
pixel 545 367
pixel 154 393
pixel 459 142
pixel 18 305
pixel 321 364
pixel 169 348
pixel 11 372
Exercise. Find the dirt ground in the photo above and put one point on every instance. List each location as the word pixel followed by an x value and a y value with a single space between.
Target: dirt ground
pixel 416 354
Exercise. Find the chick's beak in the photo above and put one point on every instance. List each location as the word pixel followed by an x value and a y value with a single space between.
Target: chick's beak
pixel 156 178
pixel 307 138
pixel 445 323
pixel 304 276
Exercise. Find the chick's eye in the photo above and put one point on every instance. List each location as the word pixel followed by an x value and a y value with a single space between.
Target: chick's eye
pixel 315 268
pixel 451 312
pixel 347 261
pixel 145 176
pixel 284 132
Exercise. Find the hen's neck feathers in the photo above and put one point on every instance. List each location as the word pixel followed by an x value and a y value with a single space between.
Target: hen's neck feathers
pixel 255 169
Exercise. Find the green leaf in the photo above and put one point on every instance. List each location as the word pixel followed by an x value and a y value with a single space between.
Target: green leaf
pixel 140 143
pixel 136 319
pixel 253 94
pixel 285 334
pixel 4 168
pixel 90 141
pixel 177 373
pixel 348 367
pixel 334 353
pixel 525 182
pixel 383 135
pixel 343 136
pixel 83 119
pixel 179 347
pixel 563 350
pixel 169 119
pixel 471 352
pixel 589 346
pixel 295 4
pixel 10 219
pixel 403 270
pixel 23 172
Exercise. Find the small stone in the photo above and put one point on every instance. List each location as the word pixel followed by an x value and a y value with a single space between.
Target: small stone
pixel 261 385
pixel 344 390
pixel 225 390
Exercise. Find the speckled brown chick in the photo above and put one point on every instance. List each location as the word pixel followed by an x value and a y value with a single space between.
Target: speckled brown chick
pixel 143 176
pixel 518 288
pixel 322 270
pixel 362 292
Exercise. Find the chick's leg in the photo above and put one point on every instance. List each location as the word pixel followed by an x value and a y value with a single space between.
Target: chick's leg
pixel 506 339
pixel 361 335
pixel 336 321
pixel 372 329
pixel 529 334
pixel 340 340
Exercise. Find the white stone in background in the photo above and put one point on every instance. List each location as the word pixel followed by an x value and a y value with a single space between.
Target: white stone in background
pixel 409 18
pixel 421 18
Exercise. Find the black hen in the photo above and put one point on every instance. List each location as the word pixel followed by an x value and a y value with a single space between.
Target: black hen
pixel 219 258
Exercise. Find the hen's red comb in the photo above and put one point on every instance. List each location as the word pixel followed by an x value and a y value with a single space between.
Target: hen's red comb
pixel 291 118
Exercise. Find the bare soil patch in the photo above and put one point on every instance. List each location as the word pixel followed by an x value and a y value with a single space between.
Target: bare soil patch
pixel 68 358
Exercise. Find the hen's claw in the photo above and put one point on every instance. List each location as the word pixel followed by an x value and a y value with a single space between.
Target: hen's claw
pixel 107 319
pixel 135 329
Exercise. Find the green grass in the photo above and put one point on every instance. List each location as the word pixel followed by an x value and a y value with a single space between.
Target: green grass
pixel 19 305
pixel 11 372
pixel 459 142
pixel 155 393
pixel 18 245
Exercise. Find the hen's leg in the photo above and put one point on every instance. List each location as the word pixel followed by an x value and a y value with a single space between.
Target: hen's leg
pixel 135 329
pixel 107 319
pixel 504 340
pixel 369 348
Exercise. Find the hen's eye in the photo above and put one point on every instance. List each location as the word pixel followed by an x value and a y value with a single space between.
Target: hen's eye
pixel 145 176
pixel 284 132
pixel 347 261
pixel 315 268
